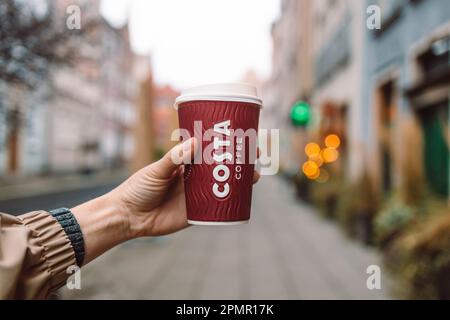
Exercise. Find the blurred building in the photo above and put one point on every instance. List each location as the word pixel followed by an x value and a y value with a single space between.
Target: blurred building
pixel 384 92
pixel 291 78
pixel 144 128
pixel 82 117
pixel 405 107
pixel 338 32
pixel 23 116
pixel 92 110
pixel 166 117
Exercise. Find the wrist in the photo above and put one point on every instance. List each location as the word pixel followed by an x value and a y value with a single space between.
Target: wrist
pixel 103 225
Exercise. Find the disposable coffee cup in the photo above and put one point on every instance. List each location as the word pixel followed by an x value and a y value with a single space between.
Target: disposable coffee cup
pixel 224 119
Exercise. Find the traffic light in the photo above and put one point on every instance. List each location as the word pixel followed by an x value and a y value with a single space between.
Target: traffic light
pixel 300 114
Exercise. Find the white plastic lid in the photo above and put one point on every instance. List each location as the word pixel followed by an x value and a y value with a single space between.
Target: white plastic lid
pixel 221 92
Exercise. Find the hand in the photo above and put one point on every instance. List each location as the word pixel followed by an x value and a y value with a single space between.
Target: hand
pixel 153 198
pixel 150 203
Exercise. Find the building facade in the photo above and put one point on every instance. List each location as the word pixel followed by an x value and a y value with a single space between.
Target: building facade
pixel 93 107
pixel 23 118
pixel 93 104
pixel 81 117
pixel 338 32
pixel 166 117
pixel 291 78
pixel 406 95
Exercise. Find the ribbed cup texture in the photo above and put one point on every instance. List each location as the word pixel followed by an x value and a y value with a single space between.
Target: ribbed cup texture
pixel 202 204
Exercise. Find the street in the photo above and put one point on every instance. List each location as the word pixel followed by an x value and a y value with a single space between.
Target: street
pixel 286 252
pixel 53 200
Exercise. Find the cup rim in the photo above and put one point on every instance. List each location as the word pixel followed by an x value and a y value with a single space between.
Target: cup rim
pixel 239 92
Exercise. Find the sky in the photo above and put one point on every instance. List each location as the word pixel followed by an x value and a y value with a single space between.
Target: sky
pixel 198 41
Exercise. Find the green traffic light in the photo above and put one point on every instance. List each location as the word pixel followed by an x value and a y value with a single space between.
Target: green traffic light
pixel 300 114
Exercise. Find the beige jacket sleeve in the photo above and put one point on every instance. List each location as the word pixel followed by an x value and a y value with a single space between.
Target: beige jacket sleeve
pixel 35 253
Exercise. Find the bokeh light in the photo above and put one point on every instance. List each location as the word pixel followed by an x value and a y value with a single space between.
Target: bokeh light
pixel 323 177
pixel 300 114
pixel 310 168
pixel 330 155
pixel 311 149
pixel 317 158
pixel 332 141
pixel 314 176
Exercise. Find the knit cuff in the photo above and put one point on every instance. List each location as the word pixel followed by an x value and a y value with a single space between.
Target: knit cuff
pixel 73 230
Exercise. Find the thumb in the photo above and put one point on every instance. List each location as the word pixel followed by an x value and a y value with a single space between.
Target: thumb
pixel 182 153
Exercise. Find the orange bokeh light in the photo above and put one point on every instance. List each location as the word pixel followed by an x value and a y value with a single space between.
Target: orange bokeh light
pixel 314 176
pixel 312 148
pixel 330 155
pixel 310 168
pixel 332 141
pixel 317 158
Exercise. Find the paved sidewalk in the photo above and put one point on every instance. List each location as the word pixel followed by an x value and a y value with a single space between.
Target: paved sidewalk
pixel 286 252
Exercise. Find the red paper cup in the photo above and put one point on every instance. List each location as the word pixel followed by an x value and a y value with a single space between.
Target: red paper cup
pixel 218 185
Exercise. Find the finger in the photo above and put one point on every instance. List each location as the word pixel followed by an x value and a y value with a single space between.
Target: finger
pixel 258 153
pixel 256 176
pixel 181 154
pixel 177 172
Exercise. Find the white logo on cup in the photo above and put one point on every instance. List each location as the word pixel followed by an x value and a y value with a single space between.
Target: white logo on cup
pixel 221 172
pixel 267 140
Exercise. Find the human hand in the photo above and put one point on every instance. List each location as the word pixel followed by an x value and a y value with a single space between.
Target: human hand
pixel 149 203
pixel 153 199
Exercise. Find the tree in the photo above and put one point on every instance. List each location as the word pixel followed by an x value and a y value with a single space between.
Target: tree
pixel 31 40
pixel 33 37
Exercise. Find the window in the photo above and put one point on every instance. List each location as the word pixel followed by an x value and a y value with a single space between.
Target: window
pixel 387 114
pixel 436 60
